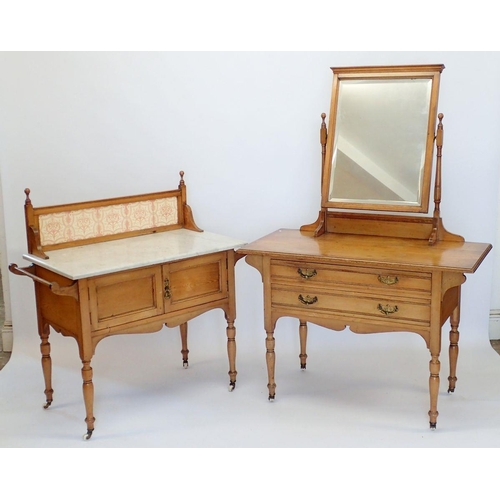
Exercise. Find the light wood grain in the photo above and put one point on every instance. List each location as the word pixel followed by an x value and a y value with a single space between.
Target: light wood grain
pixel 370 272
pixel 369 283
pixel 140 299
pixel 370 250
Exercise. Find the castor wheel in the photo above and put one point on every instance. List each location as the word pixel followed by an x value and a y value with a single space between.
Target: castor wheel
pixel 432 426
pixel 47 404
pixel 231 387
pixel 185 364
pixel 302 366
pixel 271 398
pixel 88 435
pixel 451 390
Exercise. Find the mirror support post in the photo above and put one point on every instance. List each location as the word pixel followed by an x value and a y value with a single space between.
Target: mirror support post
pixel 319 226
pixel 323 136
pixel 436 224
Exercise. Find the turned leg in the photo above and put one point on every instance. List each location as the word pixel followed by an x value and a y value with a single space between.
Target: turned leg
pixel 434 366
pixel 270 361
pixel 184 350
pixel 303 343
pixel 453 350
pixel 88 397
pixel 44 331
pixel 231 353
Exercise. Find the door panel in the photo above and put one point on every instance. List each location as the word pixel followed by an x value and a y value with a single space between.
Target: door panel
pixel 125 297
pixel 195 281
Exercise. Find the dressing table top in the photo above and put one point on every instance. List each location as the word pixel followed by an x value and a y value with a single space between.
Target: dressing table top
pixel 361 250
pixel 130 253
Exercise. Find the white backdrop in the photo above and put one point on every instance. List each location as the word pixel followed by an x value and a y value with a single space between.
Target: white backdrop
pixel 244 126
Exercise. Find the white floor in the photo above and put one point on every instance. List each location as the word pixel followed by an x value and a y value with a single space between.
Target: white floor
pixel 358 391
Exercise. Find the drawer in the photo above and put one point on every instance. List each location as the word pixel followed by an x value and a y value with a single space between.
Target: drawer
pixel 345 276
pixel 195 281
pixel 353 306
pixel 124 297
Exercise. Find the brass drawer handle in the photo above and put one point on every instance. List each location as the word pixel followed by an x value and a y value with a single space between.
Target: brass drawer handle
pixel 388 280
pixel 308 300
pixel 387 309
pixel 167 293
pixel 307 273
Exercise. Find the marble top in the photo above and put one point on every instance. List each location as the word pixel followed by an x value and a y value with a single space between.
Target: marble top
pixel 130 253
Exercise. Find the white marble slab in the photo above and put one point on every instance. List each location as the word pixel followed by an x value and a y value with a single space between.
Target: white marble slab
pixel 130 253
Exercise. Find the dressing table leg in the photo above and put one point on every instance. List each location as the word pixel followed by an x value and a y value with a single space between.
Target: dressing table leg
pixel 270 361
pixel 44 331
pixel 88 397
pixel 303 344
pixel 184 349
pixel 453 350
pixel 434 366
pixel 231 353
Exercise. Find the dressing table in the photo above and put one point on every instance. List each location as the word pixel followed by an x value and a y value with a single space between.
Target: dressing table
pixel 124 265
pixel 375 260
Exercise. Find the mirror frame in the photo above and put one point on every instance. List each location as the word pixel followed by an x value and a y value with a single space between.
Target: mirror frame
pixel 432 72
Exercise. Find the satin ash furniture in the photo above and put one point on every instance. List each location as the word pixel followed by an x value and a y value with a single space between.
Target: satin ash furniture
pixel 124 265
pixel 358 266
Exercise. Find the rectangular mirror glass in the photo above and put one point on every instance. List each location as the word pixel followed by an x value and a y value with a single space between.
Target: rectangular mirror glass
pixel 381 135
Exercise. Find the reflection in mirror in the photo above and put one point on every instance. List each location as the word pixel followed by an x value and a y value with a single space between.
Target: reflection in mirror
pixel 380 141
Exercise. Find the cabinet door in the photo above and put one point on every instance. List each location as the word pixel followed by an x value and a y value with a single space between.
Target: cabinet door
pixel 124 297
pixel 195 281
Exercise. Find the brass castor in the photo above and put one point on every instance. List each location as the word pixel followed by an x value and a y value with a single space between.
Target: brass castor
pixel 88 435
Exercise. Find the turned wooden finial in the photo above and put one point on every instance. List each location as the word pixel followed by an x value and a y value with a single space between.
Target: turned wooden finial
pixel 181 173
pixel 27 192
pixel 322 130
